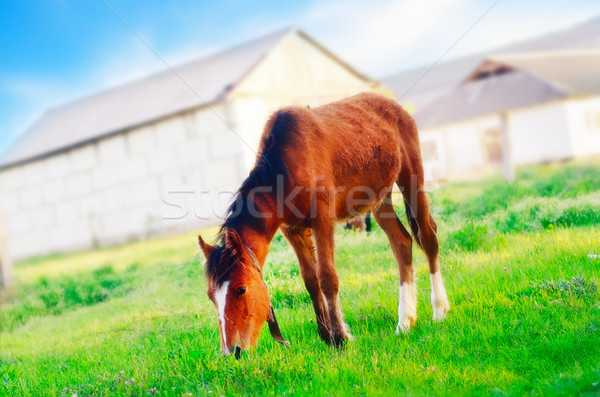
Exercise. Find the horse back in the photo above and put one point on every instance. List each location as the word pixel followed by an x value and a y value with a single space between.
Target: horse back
pixel 361 141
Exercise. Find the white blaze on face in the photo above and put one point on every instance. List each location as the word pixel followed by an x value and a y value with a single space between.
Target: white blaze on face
pixel 439 299
pixel 407 307
pixel 221 299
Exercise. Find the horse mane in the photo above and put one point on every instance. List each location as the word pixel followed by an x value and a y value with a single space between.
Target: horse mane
pixel 270 162
pixel 280 132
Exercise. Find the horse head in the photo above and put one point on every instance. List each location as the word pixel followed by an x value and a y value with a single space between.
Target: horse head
pixel 236 287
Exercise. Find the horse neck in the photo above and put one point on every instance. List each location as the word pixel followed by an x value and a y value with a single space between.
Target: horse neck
pixel 258 240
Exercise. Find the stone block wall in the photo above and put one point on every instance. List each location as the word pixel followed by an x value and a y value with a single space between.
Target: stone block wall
pixel 139 183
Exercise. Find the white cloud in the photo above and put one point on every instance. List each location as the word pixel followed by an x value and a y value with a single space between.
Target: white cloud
pixel 378 35
pixel 511 22
pixel 381 37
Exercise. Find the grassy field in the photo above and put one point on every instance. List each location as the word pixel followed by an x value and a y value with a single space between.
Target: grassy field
pixel 520 270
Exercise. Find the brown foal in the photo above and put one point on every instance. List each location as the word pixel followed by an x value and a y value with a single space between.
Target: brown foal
pixel 315 167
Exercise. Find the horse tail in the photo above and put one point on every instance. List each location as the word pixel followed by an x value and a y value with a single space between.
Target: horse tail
pixel 414 226
pixel 368 221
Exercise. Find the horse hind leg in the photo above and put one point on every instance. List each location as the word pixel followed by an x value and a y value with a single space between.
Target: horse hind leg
pixel 401 244
pixel 425 232
pixel 301 241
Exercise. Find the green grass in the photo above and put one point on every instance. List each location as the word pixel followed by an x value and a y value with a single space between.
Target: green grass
pixel 525 316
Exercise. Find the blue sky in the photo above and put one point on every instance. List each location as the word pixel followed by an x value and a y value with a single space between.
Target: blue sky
pixel 55 51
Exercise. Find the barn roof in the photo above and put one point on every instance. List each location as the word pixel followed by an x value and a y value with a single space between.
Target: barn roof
pixel 189 86
pixel 524 79
pixel 486 96
pixel 575 72
pixel 415 85
pixel 418 85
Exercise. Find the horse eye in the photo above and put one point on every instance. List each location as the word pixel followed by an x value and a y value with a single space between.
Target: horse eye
pixel 241 291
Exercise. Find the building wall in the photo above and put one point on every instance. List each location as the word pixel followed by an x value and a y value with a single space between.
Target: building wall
pixel 459 149
pixel 434 155
pixel 540 133
pixel 548 132
pixel 583 118
pixel 148 181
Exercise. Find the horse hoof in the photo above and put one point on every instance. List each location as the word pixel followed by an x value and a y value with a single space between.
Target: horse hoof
pixel 339 340
pixel 404 326
pixel 440 310
pixel 325 335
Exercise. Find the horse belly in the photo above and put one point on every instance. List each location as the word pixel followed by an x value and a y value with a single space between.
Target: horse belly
pixel 359 192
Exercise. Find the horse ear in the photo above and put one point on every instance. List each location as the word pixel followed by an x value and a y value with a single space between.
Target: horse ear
pixel 206 248
pixel 233 241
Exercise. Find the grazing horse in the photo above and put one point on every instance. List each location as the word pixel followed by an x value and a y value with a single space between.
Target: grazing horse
pixel 315 167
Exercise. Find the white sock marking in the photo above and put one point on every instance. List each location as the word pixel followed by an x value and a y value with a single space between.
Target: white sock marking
pixel 407 307
pixel 221 298
pixel 439 299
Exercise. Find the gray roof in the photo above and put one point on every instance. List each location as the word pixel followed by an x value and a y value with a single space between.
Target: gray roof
pixel 418 86
pixel 170 92
pixel 491 95
pixel 448 74
pixel 574 72
pixel 535 78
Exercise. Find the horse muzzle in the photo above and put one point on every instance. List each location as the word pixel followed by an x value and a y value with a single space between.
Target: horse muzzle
pixel 235 350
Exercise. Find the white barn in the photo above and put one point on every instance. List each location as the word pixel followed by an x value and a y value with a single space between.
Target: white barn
pixel 531 101
pixel 158 155
pixel 515 108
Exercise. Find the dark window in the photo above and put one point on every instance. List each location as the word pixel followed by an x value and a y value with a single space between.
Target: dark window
pixel 492 145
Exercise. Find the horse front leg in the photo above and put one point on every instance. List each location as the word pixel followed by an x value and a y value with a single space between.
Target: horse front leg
pixel 301 241
pixel 329 281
